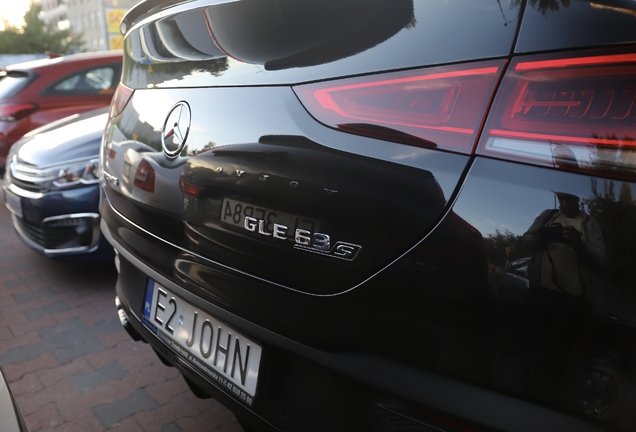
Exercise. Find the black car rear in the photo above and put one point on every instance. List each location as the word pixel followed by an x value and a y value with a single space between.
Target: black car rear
pixel 404 214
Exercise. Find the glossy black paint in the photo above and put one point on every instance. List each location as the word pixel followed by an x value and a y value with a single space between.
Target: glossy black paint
pixel 257 165
pixel 437 315
pixel 302 41
pixel 565 24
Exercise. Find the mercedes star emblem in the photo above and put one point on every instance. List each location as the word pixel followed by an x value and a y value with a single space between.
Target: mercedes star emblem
pixel 175 129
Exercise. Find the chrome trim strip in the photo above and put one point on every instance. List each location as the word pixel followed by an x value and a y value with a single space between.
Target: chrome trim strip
pixel 94 238
pixel 23 193
pixel 55 252
pixel 28 168
pixel 70 216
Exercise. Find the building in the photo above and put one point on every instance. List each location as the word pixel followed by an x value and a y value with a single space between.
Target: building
pixel 94 22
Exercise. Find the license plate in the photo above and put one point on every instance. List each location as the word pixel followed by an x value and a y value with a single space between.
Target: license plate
pixel 234 213
pixel 13 203
pixel 220 352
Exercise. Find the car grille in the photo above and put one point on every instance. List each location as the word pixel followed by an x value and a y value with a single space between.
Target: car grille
pixel 29 186
pixel 79 234
pixel 28 178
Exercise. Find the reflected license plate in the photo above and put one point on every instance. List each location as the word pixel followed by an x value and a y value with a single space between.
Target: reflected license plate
pixel 220 352
pixel 234 212
pixel 13 203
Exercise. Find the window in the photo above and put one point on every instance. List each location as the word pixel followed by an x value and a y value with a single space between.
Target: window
pixel 11 83
pixel 97 80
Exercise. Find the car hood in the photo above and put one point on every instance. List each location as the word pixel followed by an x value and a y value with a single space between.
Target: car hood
pixel 72 138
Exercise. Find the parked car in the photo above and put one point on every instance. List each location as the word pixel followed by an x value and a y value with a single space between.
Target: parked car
pixel 35 93
pixel 12 419
pixel 315 206
pixel 51 187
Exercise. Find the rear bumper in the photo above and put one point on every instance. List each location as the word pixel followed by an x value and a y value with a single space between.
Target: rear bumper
pixel 307 388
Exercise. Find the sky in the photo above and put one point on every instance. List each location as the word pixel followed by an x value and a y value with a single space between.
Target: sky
pixel 13 10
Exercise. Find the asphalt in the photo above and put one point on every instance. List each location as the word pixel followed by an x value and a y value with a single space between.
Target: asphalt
pixel 71 366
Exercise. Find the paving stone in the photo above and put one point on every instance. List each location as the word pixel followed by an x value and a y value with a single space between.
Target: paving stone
pixel 29 326
pixel 15 313
pixel 13 372
pixel 34 314
pixel 73 339
pixel 71 366
pixel 45 418
pixel 165 391
pixel 172 427
pixel 29 383
pixel 6 247
pixel 33 402
pixel 154 420
pixel 86 422
pixel 12 284
pixel 112 414
pixel 73 406
pixel 87 382
pixel 5 334
pixel 217 415
pixel 8 267
pixel 65 341
pixel 73 312
pixel 111 340
pixel 53 375
pixel 25 297
pixel 128 425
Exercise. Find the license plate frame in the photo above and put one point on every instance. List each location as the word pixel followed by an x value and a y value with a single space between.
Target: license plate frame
pixel 164 311
pixel 13 203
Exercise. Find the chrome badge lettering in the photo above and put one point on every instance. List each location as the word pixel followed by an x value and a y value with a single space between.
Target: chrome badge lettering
pixel 303 239
pixel 109 178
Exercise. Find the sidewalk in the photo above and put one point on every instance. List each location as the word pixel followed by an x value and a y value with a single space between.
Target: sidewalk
pixel 69 363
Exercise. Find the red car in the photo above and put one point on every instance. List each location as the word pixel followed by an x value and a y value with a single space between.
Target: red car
pixel 35 93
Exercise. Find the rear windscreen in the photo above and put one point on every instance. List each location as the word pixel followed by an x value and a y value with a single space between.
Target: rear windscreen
pixel 12 82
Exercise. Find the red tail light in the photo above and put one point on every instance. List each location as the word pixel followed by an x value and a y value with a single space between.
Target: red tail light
pixel 145 176
pixel 572 113
pixel 190 189
pixel 120 100
pixel 439 107
pixel 16 111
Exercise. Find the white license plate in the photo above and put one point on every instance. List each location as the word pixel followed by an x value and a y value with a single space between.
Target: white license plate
pixel 13 203
pixel 234 212
pixel 220 352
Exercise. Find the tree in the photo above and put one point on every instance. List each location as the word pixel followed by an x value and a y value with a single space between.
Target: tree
pixel 35 37
pixel 500 247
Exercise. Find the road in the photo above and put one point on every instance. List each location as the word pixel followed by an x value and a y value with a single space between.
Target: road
pixel 70 365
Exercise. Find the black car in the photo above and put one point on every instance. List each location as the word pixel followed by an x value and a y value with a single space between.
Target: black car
pixel 382 215
pixel 51 187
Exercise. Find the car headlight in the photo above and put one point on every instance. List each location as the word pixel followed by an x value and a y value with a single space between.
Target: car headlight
pixel 74 173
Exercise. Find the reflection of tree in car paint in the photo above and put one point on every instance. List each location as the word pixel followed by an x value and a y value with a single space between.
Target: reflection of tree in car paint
pixel 614 207
pixel 544 6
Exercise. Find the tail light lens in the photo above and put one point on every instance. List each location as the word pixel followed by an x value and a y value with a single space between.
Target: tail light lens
pixel 577 114
pixel 190 189
pixel 120 100
pixel 16 111
pixel 145 176
pixel 439 107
